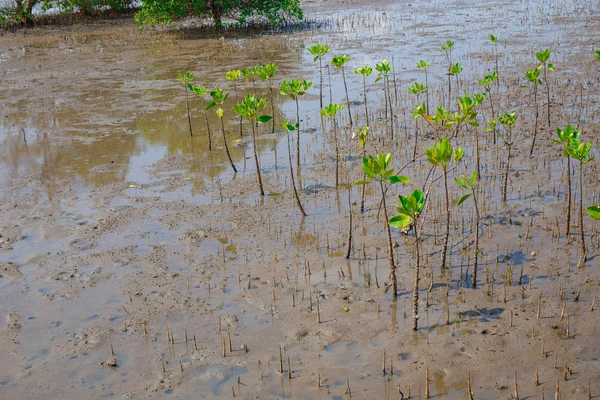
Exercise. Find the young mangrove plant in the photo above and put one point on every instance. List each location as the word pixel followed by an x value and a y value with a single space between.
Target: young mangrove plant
pixel 417 89
pixel 266 73
pixel 486 82
pixel 331 111
pixel 533 76
pixel 250 75
pixel 447 49
pixel 339 62
pixel 319 51
pixel 232 76
pixel 494 40
pixel 291 128
pixel 218 99
pixel 467 116
pixel 425 67
pixel 362 135
pixel 543 57
pixel 201 92
pixel 186 79
pixel 365 71
pixel 454 71
pixel 444 156
pixel 250 109
pixel 409 210
pixel 564 138
pixel 508 121
pixel 384 70
pixel 581 152
pixel 469 183
pixel 376 170
pixel 294 89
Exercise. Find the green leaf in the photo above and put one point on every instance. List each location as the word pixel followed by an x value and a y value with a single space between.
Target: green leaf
pixel 264 119
pixel 219 112
pixel 400 221
pixel 210 105
pixel 461 182
pixel 462 199
pixel 362 182
pixel 594 211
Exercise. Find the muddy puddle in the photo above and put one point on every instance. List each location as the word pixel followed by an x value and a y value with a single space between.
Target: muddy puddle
pixel 120 231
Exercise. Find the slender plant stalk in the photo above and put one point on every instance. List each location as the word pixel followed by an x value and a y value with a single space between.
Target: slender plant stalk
pixel 416 286
pixel 535 123
pixel 447 232
pixel 365 99
pixel 208 130
pixel 260 184
pixel 569 192
pixel 298 140
pixel 347 97
pixel 226 147
pixel 476 250
pixel 581 229
pixel 349 250
pixel 187 107
pixel 296 196
pixel 390 246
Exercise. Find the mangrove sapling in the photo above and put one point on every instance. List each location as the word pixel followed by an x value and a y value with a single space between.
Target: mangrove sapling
pixel 455 70
pixel 186 79
pixel 266 73
pixel 417 89
pixel 425 67
pixel 365 71
pixel 339 62
pixel 486 82
pixel 250 74
pixel 581 152
pixel 218 98
pixel 507 120
pixel 543 57
pixel 233 76
pixel 376 170
pixel 443 156
pixel 494 40
pixel 362 134
pixel 384 70
pixel 447 48
pixel 250 108
pixel 201 92
pixel 409 209
pixel 319 50
pixel 290 128
pixel 470 184
pixel 533 76
pixel 331 111
pixel 564 138
pixel 294 89
pixel 468 116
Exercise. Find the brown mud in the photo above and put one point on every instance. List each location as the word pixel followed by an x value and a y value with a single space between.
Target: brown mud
pixel 118 230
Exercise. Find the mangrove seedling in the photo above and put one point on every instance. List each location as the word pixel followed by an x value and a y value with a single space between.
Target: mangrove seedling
pixel 508 121
pixel 486 82
pixel 543 57
pixel 447 49
pixel 425 67
pixel 376 170
pixel 290 128
pixel 186 79
pixel 319 51
pixel 533 76
pixel 266 73
pixel 417 89
pixel 331 111
pixel 232 76
pixel 218 99
pixel 468 116
pixel 581 152
pixel 250 74
pixel 564 138
pixel 455 70
pixel 250 109
pixel 409 209
pixel 494 40
pixel 201 92
pixel 469 183
pixel 339 62
pixel 362 134
pixel 295 88
pixel 384 69
pixel 444 156
pixel 365 71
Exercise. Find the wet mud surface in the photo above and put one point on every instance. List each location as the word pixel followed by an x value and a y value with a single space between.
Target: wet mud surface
pixel 119 231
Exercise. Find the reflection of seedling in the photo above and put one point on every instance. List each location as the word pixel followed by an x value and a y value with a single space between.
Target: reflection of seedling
pixel 409 210
pixel 186 79
pixel 376 170
pixel 543 57
pixel 444 156
pixel 425 67
pixel 581 152
pixel 365 71
pixel 218 98
pixel 564 138
pixel 294 89
pixel 250 108
pixel 470 184
pixel 339 62
pixel 533 76
pixel 290 128
pixel 266 73
pixel 319 50
pixel 507 120
pixel 201 92
pixel 331 111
